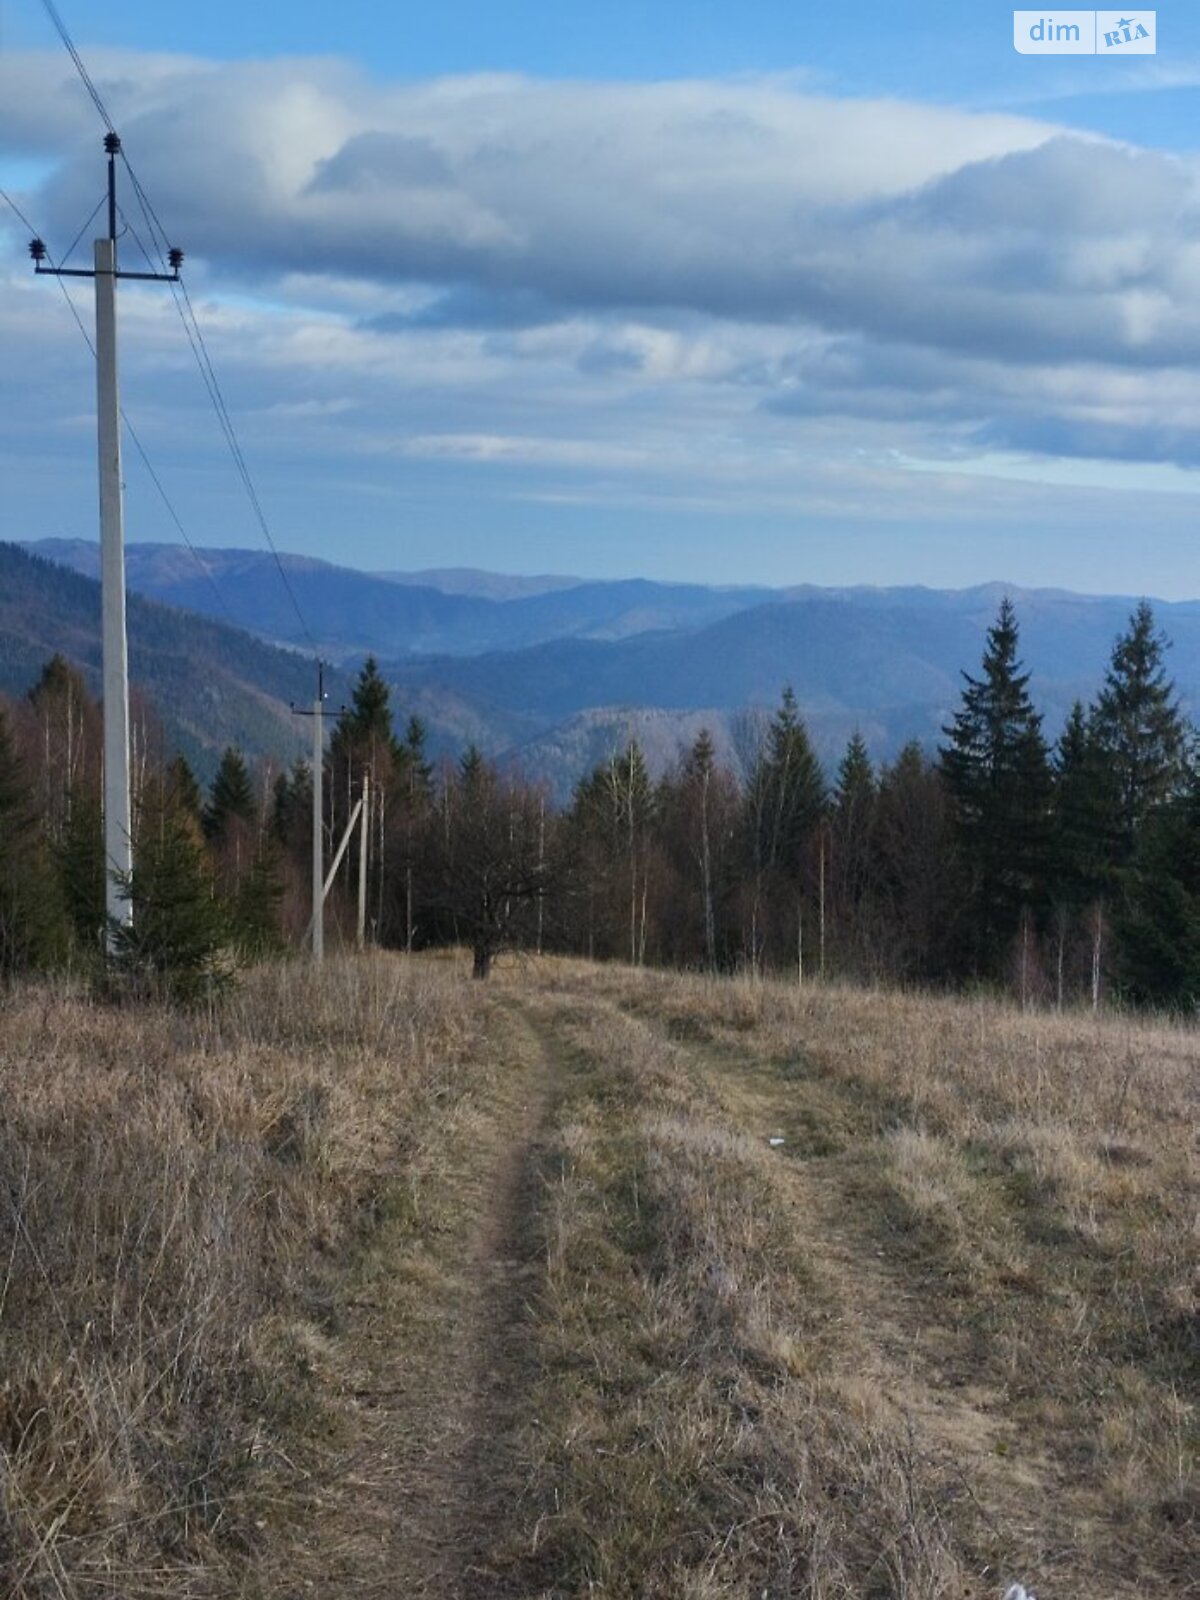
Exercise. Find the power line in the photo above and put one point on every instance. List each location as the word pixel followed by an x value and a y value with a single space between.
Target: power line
pixel 191 325
pixel 61 29
pixel 18 213
pixel 208 376
pixel 129 427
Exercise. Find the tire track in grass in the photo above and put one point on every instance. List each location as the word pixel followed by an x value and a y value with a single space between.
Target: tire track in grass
pixel 908 1347
pixel 436 1350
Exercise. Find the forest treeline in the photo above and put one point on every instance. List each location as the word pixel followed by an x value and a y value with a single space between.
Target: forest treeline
pixel 1063 871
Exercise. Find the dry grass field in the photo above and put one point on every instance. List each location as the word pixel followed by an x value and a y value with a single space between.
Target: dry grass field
pixel 590 1282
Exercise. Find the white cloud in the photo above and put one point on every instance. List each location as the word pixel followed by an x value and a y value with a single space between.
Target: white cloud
pixel 717 293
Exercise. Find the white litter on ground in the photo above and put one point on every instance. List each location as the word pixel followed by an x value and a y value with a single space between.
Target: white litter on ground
pixel 777 1139
pixel 1018 1592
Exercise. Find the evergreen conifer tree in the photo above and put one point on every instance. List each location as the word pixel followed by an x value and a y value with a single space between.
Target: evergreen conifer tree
pixel 231 798
pixel 998 774
pixel 852 827
pixel 1139 729
pixel 291 808
pixel 364 743
pixel 83 872
pixel 364 735
pixel 181 780
pixel 790 797
pixel 417 765
pixel 174 943
pixel 1082 855
pixel 1158 918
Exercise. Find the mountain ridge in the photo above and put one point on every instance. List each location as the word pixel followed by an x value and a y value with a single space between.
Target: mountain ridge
pixel 210 684
pixel 887 662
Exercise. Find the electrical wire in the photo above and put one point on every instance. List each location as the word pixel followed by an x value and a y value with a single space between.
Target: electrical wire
pixel 18 213
pixel 208 376
pixel 191 324
pixel 61 29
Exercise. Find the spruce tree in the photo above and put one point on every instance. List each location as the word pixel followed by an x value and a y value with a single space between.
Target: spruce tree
pixel 851 830
pixel 998 774
pixel 231 798
pixel 173 945
pixel 1082 851
pixel 1158 917
pixel 291 808
pixel 855 776
pixel 1139 729
pixel 181 780
pixel 417 766
pixel 789 792
pixel 83 872
pixel 364 735
pixel 364 742
pixel 397 914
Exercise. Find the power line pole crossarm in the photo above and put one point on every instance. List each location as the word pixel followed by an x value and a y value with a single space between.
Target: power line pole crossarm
pixel 118 827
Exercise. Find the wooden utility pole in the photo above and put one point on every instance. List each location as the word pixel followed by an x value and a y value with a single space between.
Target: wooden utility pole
pixel 118 827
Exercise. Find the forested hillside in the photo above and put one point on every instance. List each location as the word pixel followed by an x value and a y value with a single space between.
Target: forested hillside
pixel 1060 869
pixel 209 684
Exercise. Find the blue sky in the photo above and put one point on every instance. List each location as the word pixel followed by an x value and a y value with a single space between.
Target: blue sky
pixel 717 292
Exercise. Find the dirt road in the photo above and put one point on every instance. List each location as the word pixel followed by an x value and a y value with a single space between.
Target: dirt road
pixel 668 1330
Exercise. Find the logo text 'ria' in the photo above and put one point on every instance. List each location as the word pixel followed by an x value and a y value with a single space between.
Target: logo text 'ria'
pixel 1085 33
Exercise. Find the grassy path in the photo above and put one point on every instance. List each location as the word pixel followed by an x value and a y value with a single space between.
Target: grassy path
pixel 591 1283
pixel 629 1347
pixel 439 1366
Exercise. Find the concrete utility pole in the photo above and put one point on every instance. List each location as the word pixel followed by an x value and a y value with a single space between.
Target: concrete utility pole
pixel 118 822
pixel 318 874
pixel 320 881
pixel 362 859
pixel 118 827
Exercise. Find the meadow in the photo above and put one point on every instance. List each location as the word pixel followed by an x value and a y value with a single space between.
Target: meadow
pixel 592 1281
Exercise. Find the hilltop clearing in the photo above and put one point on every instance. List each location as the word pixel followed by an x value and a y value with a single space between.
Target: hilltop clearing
pixel 594 1282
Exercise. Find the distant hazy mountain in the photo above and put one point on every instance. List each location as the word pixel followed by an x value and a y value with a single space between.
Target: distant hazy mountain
pixel 352 613
pixel 482 585
pixel 892 671
pixel 210 684
pixel 560 673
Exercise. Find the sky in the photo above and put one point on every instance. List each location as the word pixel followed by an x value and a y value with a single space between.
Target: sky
pixel 753 293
